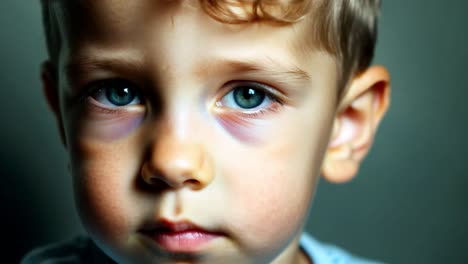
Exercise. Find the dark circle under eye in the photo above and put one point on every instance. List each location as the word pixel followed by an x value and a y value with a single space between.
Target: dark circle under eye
pixel 247 97
pixel 120 92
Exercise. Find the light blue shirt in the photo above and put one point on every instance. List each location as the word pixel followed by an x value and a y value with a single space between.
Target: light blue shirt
pixel 322 253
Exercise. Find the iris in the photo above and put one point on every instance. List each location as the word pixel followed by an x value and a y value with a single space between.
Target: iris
pixel 120 94
pixel 248 98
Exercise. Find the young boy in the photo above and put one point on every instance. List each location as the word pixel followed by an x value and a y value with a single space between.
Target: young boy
pixel 197 130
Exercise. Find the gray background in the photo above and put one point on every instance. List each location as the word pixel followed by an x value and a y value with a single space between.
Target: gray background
pixel 406 206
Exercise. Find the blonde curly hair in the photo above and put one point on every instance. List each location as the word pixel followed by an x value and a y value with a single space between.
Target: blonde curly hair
pixel 346 29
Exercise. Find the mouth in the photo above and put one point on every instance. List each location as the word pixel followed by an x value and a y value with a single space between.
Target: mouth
pixel 179 237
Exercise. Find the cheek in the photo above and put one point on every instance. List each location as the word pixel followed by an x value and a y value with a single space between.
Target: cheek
pixel 273 201
pixel 270 203
pixel 103 177
pixel 271 193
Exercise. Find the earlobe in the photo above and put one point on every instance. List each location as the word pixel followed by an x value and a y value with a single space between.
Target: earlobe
pixel 50 90
pixel 360 112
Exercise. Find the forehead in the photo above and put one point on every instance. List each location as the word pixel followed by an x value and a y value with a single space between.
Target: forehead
pixel 149 30
pixel 108 17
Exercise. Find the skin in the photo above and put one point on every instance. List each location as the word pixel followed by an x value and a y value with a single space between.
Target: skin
pixel 183 150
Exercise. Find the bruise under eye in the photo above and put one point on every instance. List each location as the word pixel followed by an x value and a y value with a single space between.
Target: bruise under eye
pixel 112 110
pixel 116 93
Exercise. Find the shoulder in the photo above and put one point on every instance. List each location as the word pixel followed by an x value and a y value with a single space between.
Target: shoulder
pixel 325 253
pixel 77 250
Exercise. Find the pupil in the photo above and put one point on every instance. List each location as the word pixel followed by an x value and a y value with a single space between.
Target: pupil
pixel 120 95
pixel 248 98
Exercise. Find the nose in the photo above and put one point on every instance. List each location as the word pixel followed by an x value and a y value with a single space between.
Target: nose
pixel 177 162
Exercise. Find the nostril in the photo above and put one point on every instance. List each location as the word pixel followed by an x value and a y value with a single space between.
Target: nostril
pixel 156 182
pixel 192 183
pixel 153 181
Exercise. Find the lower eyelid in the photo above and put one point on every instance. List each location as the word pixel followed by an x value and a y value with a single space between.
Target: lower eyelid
pixel 104 109
pixel 273 108
pixel 93 107
pixel 90 100
pixel 250 114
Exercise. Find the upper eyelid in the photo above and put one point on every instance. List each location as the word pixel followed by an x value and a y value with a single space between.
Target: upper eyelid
pixel 268 89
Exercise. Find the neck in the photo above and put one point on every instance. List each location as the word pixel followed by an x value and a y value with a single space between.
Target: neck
pixel 293 254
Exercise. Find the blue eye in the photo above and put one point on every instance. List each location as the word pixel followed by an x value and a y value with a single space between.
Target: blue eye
pixel 116 92
pixel 250 96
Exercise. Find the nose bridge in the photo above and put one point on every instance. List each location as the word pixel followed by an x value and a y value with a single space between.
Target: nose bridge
pixel 172 138
pixel 181 117
pixel 177 156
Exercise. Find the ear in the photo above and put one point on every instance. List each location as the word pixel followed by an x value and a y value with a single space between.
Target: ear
pixel 359 114
pixel 50 89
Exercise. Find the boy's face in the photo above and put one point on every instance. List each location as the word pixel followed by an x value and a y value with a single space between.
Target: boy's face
pixel 173 118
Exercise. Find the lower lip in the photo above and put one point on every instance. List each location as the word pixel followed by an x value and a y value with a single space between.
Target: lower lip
pixel 185 241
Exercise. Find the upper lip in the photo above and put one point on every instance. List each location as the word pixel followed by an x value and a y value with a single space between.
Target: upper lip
pixel 166 225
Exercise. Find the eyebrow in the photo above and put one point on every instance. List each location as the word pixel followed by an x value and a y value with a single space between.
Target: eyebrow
pixel 264 65
pixel 81 65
